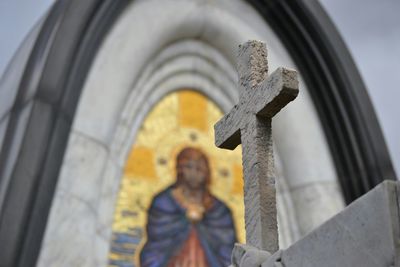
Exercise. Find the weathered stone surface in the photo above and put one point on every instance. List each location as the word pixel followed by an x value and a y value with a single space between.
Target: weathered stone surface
pixel 272 95
pixel 367 233
pixel 259 184
pixel 249 123
pixel 252 65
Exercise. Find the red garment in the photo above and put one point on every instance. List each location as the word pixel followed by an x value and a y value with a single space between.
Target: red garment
pixel 191 254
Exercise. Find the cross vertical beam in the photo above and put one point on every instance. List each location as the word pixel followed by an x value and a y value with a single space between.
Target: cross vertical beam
pixel 249 122
pixel 259 185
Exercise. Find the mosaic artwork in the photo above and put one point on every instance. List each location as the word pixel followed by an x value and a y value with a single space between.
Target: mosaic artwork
pixel 156 221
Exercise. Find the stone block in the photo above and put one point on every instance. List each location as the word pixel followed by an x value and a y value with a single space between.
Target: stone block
pixel 366 233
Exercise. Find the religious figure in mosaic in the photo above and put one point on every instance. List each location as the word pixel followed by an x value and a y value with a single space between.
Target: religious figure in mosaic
pixel 187 226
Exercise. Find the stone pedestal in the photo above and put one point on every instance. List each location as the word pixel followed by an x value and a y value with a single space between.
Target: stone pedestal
pixel 366 233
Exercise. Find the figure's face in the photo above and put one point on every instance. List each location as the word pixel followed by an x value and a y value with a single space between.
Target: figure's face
pixel 193 173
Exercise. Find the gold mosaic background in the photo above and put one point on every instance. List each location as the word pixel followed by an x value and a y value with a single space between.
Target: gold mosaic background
pixel 184 118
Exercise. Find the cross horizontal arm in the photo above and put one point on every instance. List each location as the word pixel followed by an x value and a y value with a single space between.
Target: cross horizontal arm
pixel 280 88
pixel 266 100
pixel 227 129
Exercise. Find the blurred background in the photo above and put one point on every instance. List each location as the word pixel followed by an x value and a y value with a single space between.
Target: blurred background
pixel 370 29
pixel 159 81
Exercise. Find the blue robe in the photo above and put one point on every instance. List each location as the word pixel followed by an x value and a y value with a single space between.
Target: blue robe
pixel 168 229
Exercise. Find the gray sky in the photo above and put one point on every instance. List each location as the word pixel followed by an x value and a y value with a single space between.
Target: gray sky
pixel 370 28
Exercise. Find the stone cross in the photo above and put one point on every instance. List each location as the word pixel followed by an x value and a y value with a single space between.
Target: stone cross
pixel 249 123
